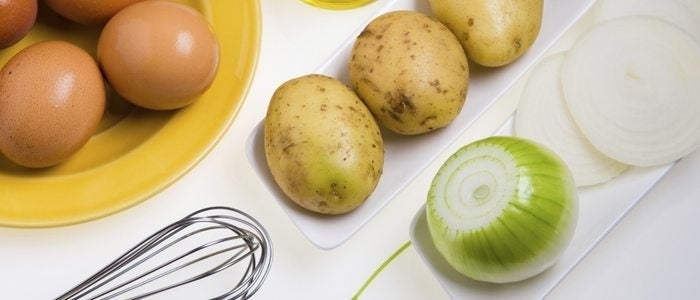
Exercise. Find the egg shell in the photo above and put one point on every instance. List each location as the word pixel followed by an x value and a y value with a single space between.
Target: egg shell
pixel 16 19
pixel 88 12
pixel 52 97
pixel 159 54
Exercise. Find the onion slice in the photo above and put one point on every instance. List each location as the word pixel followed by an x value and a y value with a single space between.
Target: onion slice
pixel 502 209
pixel 682 13
pixel 543 116
pixel 632 85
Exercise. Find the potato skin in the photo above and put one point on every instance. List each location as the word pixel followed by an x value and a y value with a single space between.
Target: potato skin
pixel 411 72
pixel 493 32
pixel 322 145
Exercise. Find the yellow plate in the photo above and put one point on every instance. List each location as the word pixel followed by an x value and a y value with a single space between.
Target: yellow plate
pixel 136 153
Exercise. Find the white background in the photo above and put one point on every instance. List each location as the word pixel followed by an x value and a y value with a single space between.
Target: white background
pixel 650 254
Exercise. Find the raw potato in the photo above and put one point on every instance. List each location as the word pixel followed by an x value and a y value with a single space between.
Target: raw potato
pixel 411 72
pixel 493 32
pixel 322 145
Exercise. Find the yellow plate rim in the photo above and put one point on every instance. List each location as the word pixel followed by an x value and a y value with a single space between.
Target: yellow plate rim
pixel 66 194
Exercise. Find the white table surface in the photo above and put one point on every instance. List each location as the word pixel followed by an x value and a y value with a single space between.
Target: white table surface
pixel 650 254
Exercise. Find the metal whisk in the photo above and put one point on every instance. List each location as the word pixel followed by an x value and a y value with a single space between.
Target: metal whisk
pixel 214 240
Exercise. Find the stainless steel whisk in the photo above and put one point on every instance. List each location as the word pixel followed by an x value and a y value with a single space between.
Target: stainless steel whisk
pixel 214 240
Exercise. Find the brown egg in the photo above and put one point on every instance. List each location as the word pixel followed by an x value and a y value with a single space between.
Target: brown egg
pixel 52 98
pixel 88 12
pixel 158 54
pixel 16 19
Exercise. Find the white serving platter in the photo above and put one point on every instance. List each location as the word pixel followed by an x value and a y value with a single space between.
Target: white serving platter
pixel 600 208
pixel 406 157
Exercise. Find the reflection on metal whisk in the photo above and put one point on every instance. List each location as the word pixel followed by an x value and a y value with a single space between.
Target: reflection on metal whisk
pixel 215 240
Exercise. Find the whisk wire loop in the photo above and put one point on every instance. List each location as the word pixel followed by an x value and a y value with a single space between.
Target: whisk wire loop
pixel 229 232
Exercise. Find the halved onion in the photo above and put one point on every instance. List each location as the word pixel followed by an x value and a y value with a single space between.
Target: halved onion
pixel 543 116
pixel 502 209
pixel 632 85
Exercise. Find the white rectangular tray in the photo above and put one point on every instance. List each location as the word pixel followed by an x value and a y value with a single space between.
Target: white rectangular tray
pixel 406 157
